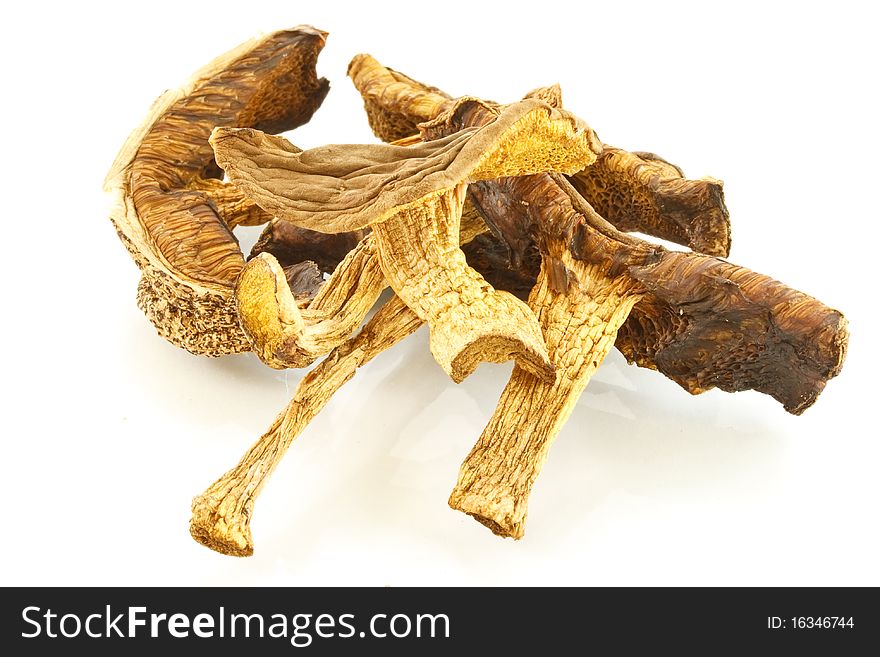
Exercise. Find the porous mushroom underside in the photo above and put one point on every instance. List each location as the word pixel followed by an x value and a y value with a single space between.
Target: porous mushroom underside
pixel 503 227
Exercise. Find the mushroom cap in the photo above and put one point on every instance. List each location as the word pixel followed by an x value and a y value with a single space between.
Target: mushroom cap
pixel 345 187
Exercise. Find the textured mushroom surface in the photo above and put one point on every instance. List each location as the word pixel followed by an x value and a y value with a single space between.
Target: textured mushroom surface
pixel 221 515
pixel 343 187
pixel 174 215
pixel 645 193
pixel 412 198
pixel 752 334
pixel 634 191
pixel 503 227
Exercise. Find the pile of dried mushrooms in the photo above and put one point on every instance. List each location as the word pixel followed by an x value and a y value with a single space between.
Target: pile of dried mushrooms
pixel 503 227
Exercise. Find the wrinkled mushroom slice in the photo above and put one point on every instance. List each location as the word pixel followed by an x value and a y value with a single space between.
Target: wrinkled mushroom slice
pixel 470 321
pixel 344 187
pixel 412 198
pixel 707 323
pixel 284 335
pixel 221 515
pixel 174 217
pixel 284 332
pixel 395 103
pixel 634 191
pixel 643 192
pixel 496 478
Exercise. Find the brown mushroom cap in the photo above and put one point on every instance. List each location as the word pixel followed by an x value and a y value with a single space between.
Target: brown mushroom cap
pixel 174 216
pixel 340 188
pixel 634 191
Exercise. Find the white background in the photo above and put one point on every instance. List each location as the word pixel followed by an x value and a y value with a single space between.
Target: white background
pixel 108 431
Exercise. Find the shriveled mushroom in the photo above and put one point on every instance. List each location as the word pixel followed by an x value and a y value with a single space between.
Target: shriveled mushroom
pixel 284 335
pixel 634 191
pixel 174 215
pixel 643 192
pixel 411 197
pixel 414 215
pixel 757 334
pixel 221 515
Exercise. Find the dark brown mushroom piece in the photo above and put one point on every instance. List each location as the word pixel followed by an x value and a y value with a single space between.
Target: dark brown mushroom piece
pixel 698 314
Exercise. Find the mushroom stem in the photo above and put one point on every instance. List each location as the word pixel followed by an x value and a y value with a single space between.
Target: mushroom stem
pixel 496 478
pixel 282 334
pixel 221 515
pixel 470 321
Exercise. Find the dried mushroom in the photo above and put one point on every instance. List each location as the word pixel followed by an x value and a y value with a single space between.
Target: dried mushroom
pixel 174 214
pixel 411 197
pixel 753 333
pixel 221 515
pixel 474 207
pixel 634 191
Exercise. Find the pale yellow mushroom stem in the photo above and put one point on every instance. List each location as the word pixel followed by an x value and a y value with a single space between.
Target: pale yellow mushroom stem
pixel 496 479
pixel 284 335
pixel 470 321
pixel 221 515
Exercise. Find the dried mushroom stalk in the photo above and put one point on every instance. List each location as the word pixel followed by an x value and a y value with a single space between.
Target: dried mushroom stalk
pixel 221 515
pixel 586 259
pixel 496 479
pixel 284 335
pixel 283 331
pixel 411 197
pixel 634 191
pixel 174 216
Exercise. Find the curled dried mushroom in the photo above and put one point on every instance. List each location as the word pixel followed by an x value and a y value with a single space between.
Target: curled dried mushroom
pixel 411 197
pixel 501 226
pixel 173 212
